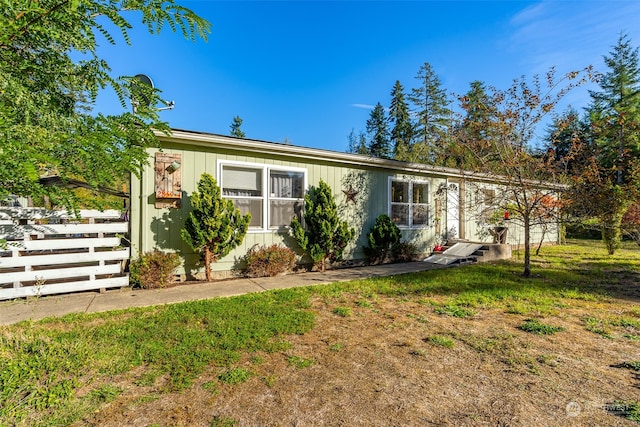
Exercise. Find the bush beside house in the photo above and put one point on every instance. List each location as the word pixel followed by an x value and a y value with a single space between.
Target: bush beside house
pixel 215 226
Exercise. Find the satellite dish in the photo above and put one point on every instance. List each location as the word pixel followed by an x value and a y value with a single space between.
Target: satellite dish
pixel 141 87
pixel 141 95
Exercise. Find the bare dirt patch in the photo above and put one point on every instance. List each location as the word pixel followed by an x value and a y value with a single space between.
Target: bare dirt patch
pixel 379 366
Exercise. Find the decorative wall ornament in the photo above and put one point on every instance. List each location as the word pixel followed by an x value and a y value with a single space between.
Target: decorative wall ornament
pixel 350 194
pixel 168 185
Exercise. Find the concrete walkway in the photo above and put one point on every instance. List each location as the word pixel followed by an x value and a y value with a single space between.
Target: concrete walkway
pixel 93 302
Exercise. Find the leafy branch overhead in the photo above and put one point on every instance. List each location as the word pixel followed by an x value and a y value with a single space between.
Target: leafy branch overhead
pixel 50 77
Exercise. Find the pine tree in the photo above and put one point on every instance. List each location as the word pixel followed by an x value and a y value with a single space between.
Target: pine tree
pixel 615 110
pixel 324 236
pixel 476 128
pixel 432 133
pixel 568 141
pixel 379 133
pixel 215 226
pixel 615 124
pixel 236 132
pixel 400 119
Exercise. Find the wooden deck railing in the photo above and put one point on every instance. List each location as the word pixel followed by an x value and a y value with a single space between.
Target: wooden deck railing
pixel 62 254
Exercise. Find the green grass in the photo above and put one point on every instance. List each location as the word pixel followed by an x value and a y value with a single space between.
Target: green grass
pixel 106 393
pixel 235 376
pixel 635 365
pixel 614 326
pixel 223 422
pixel 300 362
pixel 45 363
pixel 337 347
pixel 455 311
pixel 343 311
pixel 535 327
pixel 440 341
pixel 627 409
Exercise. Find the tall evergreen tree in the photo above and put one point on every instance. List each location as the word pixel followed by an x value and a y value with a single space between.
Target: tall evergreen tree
pixel 432 133
pixel 568 142
pixel 379 133
pixel 477 127
pixel 400 120
pixel 615 110
pixel 612 177
pixel 236 132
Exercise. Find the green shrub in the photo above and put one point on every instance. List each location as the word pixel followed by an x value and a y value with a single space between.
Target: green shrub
pixel 404 252
pixel 214 226
pixel 324 235
pixel 269 261
pixel 384 235
pixel 153 269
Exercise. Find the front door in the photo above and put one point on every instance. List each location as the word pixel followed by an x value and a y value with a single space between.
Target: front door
pixel 453 211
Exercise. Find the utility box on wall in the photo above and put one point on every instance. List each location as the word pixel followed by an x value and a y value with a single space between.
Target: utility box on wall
pixel 168 182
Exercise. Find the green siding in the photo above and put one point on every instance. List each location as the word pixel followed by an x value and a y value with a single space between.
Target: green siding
pixel 160 228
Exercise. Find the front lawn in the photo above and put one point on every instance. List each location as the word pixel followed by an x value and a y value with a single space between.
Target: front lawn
pixel 474 345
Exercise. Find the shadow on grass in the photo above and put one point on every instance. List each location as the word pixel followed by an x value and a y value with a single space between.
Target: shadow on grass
pixel 485 283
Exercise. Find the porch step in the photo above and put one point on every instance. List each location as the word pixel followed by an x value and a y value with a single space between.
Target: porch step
pixel 459 253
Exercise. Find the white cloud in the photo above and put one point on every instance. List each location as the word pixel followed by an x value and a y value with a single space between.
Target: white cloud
pixel 365 106
pixel 571 35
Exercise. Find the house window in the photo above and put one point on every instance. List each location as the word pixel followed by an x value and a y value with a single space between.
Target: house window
pixel 244 187
pixel 409 203
pixel 272 195
pixel 286 197
pixel 486 204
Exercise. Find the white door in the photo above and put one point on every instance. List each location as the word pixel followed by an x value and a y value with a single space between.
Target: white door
pixel 453 211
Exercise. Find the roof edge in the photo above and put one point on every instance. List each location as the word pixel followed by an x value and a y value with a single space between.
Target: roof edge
pixel 181 136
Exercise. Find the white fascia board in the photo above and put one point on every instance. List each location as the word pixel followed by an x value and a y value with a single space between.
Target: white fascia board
pixel 179 136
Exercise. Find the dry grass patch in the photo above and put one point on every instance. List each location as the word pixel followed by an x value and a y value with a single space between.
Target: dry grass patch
pixel 375 352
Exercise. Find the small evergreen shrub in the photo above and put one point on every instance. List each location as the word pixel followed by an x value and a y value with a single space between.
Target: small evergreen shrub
pixel 404 252
pixel 324 235
pixel 153 269
pixel 214 226
pixel 384 235
pixel 269 261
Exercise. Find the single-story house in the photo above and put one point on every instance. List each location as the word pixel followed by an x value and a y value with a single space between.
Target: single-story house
pixel 429 204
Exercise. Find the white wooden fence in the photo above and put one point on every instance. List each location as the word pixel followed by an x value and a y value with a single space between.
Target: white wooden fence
pixel 57 257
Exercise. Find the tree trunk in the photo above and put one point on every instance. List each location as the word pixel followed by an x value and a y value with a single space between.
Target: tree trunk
pixel 527 248
pixel 207 263
pixel 544 232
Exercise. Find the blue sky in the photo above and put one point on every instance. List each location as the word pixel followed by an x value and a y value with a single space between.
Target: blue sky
pixel 306 71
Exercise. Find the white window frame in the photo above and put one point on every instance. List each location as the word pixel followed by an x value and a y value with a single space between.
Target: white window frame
pixel 265 190
pixel 410 203
pixel 485 202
